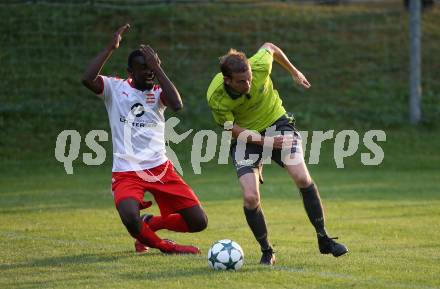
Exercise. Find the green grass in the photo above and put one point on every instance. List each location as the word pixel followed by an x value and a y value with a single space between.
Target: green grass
pixel 59 231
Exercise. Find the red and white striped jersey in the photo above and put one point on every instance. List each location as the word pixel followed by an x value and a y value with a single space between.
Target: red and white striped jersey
pixel 137 124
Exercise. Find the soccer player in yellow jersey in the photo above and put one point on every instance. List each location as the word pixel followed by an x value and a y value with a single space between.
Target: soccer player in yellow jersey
pixel 242 99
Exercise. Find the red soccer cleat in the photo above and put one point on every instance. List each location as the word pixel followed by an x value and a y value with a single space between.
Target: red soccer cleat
pixel 140 248
pixel 171 247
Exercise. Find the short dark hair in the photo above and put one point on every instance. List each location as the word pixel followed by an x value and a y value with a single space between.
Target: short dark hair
pixel 132 55
pixel 233 62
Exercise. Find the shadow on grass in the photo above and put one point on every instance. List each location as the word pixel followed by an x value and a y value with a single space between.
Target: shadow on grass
pixel 82 259
pixel 179 272
pixel 52 283
pixel 190 272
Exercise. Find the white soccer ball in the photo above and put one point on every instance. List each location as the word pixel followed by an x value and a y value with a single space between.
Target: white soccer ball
pixel 225 255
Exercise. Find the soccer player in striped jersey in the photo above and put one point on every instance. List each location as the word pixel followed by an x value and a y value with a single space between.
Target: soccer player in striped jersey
pixel 135 109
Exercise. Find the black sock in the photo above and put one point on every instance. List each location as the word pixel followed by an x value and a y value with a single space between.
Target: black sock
pixel 255 220
pixel 313 206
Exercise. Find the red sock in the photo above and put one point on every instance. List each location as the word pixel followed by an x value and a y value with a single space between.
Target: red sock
pixel 148 237
pixel 173 222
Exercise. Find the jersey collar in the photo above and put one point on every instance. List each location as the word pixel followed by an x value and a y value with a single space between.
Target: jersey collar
pixel 130 82
pixel 232 94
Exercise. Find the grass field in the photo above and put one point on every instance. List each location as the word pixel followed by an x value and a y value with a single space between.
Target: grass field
pixel 59 231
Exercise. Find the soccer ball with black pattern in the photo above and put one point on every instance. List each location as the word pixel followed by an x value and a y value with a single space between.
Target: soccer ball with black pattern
pixel 225 255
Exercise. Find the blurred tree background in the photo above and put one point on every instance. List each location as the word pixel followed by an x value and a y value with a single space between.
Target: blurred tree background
pixel 355 55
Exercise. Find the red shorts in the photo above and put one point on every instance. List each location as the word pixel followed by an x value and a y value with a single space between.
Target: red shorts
pixel 167 187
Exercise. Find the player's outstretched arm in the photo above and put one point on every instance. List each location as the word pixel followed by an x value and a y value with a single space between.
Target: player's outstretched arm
pixel 90 76
pixel 280 57
pixel 169 91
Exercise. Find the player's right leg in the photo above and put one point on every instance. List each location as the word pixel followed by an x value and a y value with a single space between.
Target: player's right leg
pixel 249 183
pixel 128 210
pixel 248 169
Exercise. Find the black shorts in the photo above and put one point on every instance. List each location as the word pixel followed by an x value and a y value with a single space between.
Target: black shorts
pixel 255 155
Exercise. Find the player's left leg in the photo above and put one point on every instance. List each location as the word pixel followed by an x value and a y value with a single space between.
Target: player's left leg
pixel 293 159
pixel 310 195
pixel 195 217
pixel 172 222
pixel 188 220
pixel 313 206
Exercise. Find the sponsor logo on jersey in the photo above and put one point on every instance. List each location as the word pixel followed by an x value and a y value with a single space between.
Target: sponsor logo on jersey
pixel 145 124
pixel 138 109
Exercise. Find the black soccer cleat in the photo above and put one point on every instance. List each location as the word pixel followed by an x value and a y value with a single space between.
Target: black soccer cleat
pixel 268 257
pixel 328 245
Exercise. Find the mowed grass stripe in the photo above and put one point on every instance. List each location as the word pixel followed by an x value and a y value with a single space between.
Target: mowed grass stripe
pixel 67 234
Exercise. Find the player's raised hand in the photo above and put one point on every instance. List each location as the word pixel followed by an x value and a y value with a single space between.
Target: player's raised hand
pixel 301 80
pixel 118 36
pixel 151 58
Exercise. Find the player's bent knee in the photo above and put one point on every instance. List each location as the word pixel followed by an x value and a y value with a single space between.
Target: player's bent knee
pixel 199 224
pixel 195 218
pixel 251 200
pixel 303 181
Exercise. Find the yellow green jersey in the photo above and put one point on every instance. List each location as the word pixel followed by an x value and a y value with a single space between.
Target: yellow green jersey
pixel 255 111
